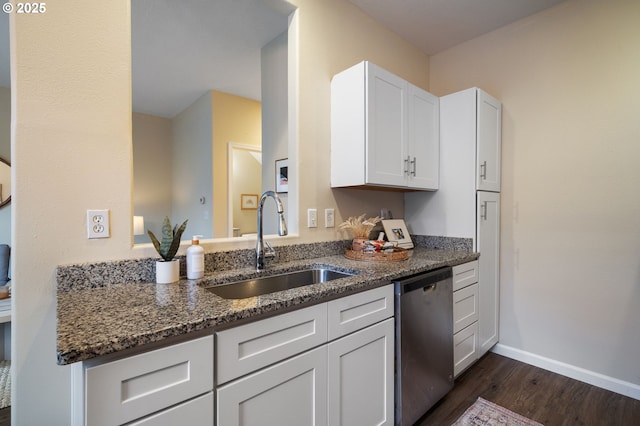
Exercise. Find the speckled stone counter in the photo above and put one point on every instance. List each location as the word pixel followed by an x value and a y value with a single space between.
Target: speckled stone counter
pixel 95 320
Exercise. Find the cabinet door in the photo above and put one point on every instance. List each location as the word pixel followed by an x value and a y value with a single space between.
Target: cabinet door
pixel 293 392
pixel 423 139
pixel 361 377
pixel 489 130
pixel 489 270
pixel 385 129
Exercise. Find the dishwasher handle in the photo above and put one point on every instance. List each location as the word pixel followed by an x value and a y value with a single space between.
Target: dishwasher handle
pixel 425 281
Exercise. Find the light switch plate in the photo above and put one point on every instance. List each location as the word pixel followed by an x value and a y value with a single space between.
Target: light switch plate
pixel 312 218
pixel 329 218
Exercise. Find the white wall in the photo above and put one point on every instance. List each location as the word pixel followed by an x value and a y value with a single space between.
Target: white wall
pixel 570 257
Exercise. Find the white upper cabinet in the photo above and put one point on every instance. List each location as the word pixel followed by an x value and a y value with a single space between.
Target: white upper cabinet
pixel 489 123
pixel 384 131
pixel 423 138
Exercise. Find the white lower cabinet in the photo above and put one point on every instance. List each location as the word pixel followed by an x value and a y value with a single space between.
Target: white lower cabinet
pixel 345 380
pixel 361 377
pixel 465 348
pixel 489 270
pixel 328 364
pixel 293 392
pixel 465 316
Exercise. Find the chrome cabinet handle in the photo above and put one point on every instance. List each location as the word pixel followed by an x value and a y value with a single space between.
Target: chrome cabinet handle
pixel 406 165
pixel 483 211
pixel 483 170
pixel 413 163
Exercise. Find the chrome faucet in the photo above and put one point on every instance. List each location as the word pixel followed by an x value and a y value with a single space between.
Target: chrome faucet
pixel 282 229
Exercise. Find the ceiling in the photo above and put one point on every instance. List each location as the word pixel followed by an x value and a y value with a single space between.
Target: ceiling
pixel 436 25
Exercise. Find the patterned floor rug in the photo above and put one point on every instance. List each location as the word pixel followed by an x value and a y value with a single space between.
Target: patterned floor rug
pixel 5 384
pixel 486 413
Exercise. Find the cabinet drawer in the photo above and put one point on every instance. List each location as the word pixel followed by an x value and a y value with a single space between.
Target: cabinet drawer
pixel 249 347
pixel 465 348
pixel 360 310
pixel 465 307
pixel 196 412
pixel 465 274
pixel 124 390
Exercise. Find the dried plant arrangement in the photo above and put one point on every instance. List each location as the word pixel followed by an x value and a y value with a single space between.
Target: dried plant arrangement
pixel 359 226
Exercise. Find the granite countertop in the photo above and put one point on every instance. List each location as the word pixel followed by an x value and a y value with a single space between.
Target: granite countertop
pixel 100 321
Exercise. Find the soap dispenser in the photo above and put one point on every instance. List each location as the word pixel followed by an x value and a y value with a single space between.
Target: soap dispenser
pixel 195 259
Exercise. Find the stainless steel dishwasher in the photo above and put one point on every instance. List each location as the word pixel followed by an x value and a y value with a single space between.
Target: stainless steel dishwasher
pixel 424 343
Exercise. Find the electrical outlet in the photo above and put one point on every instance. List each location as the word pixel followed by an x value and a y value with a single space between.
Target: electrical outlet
pixel 312 218
pixel 329 220
pixel 98 224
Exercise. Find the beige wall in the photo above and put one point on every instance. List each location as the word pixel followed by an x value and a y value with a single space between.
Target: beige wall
pixel 152 145
pixel 235 119
pixel 72 150
pixel 334 35
pixel 570 265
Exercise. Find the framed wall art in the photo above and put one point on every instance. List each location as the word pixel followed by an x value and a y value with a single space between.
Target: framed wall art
pixel 282 175
pixel 249 201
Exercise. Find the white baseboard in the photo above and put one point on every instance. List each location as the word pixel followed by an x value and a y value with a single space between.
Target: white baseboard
pixel 631 390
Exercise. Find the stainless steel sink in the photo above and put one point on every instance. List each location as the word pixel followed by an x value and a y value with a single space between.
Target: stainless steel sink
pixel 274 283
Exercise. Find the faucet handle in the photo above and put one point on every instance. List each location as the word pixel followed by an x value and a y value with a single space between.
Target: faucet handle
pixel 268 250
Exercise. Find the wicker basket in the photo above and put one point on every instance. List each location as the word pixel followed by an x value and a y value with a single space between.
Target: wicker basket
pixel 398 254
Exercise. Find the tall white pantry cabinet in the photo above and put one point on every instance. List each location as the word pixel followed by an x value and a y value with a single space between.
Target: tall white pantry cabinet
pixel 467 203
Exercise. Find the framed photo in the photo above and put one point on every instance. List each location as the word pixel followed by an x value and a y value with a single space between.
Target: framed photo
pixel 282 175
pixel 397 232
pixel 249 201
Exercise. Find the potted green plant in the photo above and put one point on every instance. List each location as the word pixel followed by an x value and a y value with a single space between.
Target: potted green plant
pixel 168 269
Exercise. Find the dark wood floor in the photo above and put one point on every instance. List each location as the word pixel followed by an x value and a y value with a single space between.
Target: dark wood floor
pixel 540 395
pixel 5 416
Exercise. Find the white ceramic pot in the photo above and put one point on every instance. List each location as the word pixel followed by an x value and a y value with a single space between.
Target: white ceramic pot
pixel 167 272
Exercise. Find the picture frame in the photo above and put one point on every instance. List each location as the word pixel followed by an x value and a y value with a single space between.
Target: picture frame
pixel 397 232
pixel 249 201
pixel 282 175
